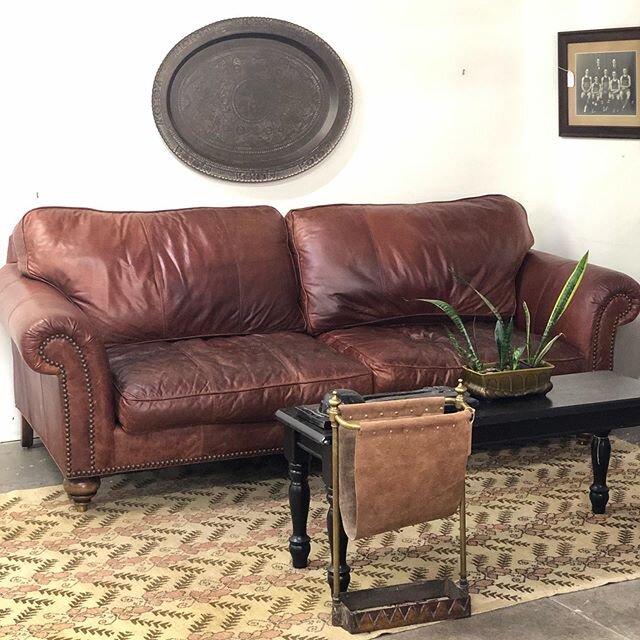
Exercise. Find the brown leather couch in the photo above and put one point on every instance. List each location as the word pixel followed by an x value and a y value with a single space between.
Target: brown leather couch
pixel 145 340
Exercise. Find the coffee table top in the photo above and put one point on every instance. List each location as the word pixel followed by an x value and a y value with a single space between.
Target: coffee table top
pixel 574 393
pixel 594 401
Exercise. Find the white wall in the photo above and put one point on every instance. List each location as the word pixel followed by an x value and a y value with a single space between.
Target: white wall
pixel 580 193
pixel 450 99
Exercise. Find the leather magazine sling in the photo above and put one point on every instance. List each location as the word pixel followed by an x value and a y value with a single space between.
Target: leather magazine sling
pixel 404 465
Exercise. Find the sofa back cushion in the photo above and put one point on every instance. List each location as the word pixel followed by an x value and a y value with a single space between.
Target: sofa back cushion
pixel 360 264
pixel 166 274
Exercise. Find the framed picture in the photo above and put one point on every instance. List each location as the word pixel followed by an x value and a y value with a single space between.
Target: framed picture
pixel 598 77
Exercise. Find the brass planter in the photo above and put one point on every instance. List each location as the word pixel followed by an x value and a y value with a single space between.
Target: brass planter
pixel 509 384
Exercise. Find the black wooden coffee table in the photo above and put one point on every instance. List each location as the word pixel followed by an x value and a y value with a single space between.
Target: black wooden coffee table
pixel 596 402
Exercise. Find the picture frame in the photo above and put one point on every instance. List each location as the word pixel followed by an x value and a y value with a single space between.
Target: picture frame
pixel 598 83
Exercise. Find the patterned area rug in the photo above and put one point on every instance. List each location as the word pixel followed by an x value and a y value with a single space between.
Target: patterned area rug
pixel 203 556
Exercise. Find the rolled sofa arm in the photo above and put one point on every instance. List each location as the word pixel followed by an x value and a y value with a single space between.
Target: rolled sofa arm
pixel 34 313
pixel 605 300
pixel 54 337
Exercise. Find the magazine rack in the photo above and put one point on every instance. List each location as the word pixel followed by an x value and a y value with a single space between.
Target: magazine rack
pixel 422 444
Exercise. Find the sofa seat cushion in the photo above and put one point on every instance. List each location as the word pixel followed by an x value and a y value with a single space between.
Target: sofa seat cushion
pixel 404 357
pixel 225 380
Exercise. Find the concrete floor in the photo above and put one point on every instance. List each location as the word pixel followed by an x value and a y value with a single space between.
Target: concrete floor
pixel 611 612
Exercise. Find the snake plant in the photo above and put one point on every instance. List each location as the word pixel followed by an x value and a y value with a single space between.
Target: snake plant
pixel 509 357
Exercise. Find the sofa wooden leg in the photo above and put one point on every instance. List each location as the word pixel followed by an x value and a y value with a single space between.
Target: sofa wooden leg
pixel 81 491
pixel 26 433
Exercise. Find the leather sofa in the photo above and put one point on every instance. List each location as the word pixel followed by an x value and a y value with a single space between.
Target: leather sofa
pixel 151 339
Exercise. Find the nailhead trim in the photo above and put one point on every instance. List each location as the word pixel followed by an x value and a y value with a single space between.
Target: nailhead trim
pixel 180 461
pixel 617 321
pixel 65 399
pixel 158 464
pixel 92 449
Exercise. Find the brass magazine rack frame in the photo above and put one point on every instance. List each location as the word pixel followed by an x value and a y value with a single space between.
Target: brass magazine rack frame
pixel 394 606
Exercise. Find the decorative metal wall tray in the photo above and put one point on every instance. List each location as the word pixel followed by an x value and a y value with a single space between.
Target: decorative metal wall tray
pixel 252 99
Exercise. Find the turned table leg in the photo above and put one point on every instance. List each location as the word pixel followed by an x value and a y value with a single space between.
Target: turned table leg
pixel 299 498
pixel 26 433
pixel 81 490
pixel 600 454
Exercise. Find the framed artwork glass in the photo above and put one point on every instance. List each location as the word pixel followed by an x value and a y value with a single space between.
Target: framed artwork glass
pixel 598 76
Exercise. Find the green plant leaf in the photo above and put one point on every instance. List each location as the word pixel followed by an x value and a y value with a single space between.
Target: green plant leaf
pixel 503 334
pixel 527 324
pixel 516 355
pixel 484 298
pixel 543 352
pixel 464 354
pixel 508 349
pixel 459 325
pixel 499 334
pixel 456 344
pixel 562 302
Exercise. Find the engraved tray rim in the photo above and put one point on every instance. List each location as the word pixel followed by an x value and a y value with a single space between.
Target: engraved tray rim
pixel 301 40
